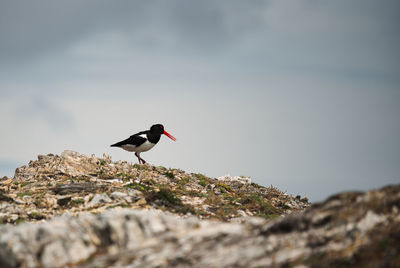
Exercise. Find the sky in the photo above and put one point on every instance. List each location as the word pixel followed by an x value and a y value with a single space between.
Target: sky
pixel 302 95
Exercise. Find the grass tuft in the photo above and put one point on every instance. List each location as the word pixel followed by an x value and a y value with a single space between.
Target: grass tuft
pixel 169 175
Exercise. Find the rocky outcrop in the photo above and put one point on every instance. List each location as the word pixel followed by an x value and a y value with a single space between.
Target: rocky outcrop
pixel 351 229
pixel 73 183
pixel 160 224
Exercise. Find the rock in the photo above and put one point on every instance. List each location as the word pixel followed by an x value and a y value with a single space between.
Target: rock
pixel 5 198
pixel 130 196
pixel 118 195
pixel 99 199
pixel 64 200
pixel 41 184
pixel 135 193
pixel 229 178
pixel 350 229
pixel 90 194
pixel 35 215
pixel 76 188
pixel 141 202
pixel 27 199
pixel 6 181
pixel 242 213
pixel 369 221
pixel 14 217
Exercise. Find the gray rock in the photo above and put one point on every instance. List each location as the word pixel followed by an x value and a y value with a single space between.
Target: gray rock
pixel 131 196
pixel 76 188
pixel 135 193
pixel 118 195
pixel 99 199
pixel 349 229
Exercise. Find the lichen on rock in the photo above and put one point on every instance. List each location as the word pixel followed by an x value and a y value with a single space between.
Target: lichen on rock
pixel 71 182
pixel 84 211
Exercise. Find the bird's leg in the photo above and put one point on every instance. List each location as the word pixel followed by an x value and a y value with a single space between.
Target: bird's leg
pixel 141 160
pixel 137 155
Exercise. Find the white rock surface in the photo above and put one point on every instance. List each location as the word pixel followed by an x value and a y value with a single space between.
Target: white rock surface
pixel 99 199
pixel 240 179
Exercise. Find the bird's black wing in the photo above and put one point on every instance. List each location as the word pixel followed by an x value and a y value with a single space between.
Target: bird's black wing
pixel 137 139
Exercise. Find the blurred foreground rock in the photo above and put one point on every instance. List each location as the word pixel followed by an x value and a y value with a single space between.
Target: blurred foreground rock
pixel 162 223
pixel 347 230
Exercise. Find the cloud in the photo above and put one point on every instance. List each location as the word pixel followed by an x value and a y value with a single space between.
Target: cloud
pixel 29 29
pixel 49 112
pixel 338 39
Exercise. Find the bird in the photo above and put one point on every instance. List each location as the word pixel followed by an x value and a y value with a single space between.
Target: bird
pixel 143 141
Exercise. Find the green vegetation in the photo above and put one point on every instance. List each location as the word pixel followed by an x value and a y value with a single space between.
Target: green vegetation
pixel 36 215
pixel 222 199
pixel 140 166
pixel 186 209
pixel 224 188
pixel 78 201
pixel 169 197
pixel 139 186
pixel 180 185
pixel 118 205
pixel 38 201
pixel 169 200
pixel 25 183
pixel 162 168
pixel 195 193
pixel 226 204
pixel 20 220
pixel 203 180
pixel 259 206
pixel 169 175
pixel 124 176
pixel 155 187
pixel 22 194
pixel 283 205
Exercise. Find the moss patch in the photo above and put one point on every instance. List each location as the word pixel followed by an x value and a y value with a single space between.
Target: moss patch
pixel 139 186
pixel 202 180
pixel 22 194
pixel 166 196
pixel 169 175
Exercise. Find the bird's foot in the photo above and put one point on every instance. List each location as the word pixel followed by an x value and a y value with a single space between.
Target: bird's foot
pixel 141 161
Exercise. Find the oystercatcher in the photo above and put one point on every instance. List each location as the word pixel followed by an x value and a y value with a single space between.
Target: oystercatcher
pixel 143 141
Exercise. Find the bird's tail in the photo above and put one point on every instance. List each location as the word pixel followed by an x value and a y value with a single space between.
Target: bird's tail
pixel 115 145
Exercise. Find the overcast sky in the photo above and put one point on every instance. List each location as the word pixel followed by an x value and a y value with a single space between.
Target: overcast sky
pixel 302 95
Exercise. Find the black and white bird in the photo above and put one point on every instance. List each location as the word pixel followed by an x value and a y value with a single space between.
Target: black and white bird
pixel 143 141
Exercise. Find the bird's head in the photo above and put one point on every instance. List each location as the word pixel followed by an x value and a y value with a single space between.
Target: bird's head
pixel 159 129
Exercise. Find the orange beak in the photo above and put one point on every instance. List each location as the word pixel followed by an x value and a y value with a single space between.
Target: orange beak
pixel 169 136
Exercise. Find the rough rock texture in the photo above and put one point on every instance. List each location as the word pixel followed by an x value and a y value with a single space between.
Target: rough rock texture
pixel 73 183
pixel 83 211
pixel 347 230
